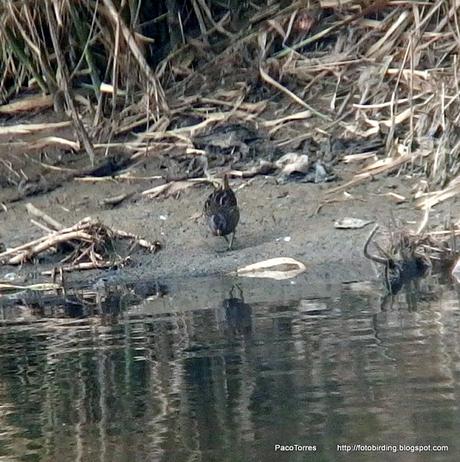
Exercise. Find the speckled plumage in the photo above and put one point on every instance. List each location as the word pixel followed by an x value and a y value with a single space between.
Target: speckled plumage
pixel 221 212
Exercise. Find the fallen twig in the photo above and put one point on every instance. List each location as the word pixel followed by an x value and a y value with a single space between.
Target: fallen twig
pixel 46 286
pixel 116 200
pixel 42 215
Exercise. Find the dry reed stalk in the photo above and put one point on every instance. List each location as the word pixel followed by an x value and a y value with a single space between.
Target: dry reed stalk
pixel 63 79
pixel 41 143
pixel 41 287
pixel 25 129
pixel 138 55
pixel 28 104
pixel 88 240
pixel 55 225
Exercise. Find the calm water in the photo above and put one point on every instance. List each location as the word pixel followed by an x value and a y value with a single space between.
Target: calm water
pixel 192 377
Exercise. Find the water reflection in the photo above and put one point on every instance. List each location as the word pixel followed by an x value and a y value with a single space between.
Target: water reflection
pixel 168 381
pixel 237 314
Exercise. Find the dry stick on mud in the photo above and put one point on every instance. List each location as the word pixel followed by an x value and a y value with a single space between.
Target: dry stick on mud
pixel 55 225
pixel 150 246
pixel 63 78
pixel 83 266
pixel 113 201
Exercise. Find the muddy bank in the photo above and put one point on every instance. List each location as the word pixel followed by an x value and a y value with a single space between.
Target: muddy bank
pixel 276 220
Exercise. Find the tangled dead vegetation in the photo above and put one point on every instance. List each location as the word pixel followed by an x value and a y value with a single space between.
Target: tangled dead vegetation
pixel 408 256
pixel 383 71
pixel 89 244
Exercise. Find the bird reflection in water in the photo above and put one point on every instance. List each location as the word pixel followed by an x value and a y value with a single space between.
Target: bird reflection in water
pixel 408 281
pixel 238 314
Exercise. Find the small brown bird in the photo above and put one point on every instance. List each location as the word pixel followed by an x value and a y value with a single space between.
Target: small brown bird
pixel 222 213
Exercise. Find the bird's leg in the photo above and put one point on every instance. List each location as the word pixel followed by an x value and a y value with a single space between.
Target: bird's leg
pixel 231 241
pixel 226 240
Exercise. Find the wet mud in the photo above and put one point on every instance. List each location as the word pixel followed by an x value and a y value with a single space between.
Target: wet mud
pixel 277 220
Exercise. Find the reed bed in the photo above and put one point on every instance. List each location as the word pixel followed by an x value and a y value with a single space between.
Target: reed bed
pixel 135 70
